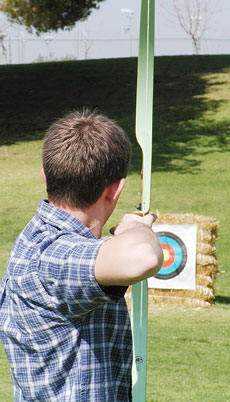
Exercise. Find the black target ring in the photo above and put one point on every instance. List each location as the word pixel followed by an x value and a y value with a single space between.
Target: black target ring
pixel 175 255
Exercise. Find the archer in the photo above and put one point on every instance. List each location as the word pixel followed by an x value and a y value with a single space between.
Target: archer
pixel 63 318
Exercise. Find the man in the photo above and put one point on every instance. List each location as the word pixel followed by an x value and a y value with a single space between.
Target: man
pixel 63 318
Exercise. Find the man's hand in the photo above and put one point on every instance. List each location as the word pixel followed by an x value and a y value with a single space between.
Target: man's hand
pixel 131 221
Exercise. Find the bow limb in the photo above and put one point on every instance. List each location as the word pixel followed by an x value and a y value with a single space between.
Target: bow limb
pixel 144 113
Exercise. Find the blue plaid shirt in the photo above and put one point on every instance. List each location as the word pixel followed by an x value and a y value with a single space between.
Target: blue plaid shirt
pixel 66 338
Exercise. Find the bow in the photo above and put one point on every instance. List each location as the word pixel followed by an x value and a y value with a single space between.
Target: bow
pixel 144 115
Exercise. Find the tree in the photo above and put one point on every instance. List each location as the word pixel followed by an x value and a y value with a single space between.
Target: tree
pixel 48 15
pixel 193 17
pixel 3 27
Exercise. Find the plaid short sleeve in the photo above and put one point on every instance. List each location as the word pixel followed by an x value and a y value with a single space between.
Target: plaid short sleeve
pixel 67 273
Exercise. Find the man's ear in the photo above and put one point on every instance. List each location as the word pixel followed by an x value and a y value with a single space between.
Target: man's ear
pixel 43 175
pixel 113 191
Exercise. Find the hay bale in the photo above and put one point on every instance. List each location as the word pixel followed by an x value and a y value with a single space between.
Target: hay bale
pixel 206 265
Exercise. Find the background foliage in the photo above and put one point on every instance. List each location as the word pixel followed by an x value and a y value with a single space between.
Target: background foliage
pixel 48 15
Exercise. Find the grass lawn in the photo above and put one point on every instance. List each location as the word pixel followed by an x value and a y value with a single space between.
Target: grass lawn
pixel 188 350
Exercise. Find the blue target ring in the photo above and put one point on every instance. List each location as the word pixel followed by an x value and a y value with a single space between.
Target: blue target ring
pixel 175 253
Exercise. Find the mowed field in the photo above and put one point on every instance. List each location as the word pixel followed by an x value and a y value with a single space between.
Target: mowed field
pixel 188 349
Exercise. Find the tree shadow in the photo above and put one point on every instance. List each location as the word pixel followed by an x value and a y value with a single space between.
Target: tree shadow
pixel 33 96
pixel 179 107
pixel 222 299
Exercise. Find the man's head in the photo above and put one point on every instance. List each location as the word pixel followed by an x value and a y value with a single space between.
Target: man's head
pixel 83 153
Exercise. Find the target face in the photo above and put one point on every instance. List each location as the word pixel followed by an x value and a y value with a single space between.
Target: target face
pixel 178 271
pixel 175 255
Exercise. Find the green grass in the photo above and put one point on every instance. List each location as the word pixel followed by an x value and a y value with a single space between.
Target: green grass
pixel 188 355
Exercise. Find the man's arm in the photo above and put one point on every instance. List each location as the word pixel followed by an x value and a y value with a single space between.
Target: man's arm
pixel 132 254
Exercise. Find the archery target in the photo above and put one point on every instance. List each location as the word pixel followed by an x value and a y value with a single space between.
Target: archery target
pixel 175 255
pixel 178 243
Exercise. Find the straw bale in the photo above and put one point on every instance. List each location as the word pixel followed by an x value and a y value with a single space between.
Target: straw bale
pixel 205 223
pixel 204 280
pixel 206 236
pixel 206 265
pixel 204 293
pixel 204 259
pixel 208 270
pixel 205 248
pixel 166 301
pixel 201 292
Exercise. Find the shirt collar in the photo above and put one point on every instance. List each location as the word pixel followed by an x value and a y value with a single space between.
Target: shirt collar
pixel 62 220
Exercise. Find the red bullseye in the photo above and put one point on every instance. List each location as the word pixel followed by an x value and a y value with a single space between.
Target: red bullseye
pixel 169 255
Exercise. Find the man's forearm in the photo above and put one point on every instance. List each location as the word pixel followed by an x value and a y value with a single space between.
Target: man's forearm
pixel 133 254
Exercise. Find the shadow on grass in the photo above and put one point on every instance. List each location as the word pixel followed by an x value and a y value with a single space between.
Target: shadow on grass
pixel 33 96
pixel 222 299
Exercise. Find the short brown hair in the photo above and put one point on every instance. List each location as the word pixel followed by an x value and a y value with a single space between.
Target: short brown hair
pixel 83 153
